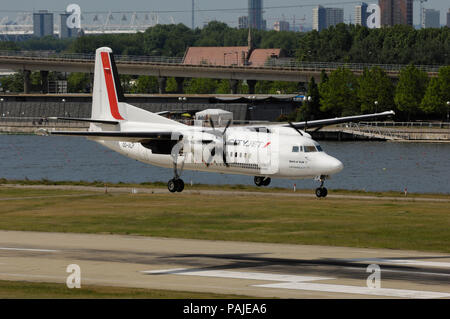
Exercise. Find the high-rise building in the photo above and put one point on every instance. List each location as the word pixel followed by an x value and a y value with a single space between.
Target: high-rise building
pixel 42 23
pixel 448 18
pixel 64 30
pixel 255 14
pixel 281 26
pixel 361 14
pixel 334 16
pixel 243 22
pixel 431 18
pixel 326 17
pixel 396 12
pixel 319 18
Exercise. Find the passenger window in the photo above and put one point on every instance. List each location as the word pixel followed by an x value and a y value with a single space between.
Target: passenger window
pixel 295 149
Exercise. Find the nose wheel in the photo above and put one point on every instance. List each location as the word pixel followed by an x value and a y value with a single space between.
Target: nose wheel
pixel 321 191
pixel 175 185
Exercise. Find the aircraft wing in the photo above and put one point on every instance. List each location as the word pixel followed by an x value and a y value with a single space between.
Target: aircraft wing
pixel 117 135
pixel 337 120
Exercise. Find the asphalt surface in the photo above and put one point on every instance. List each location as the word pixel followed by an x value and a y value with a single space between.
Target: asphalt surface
pixel 250 269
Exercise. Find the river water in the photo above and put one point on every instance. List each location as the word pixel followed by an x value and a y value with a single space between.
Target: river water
pixel 370 166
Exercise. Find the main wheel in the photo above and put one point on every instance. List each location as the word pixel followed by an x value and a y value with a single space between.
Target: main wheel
pixel 259 180
pixel 180 185
pixel 172 186
pixel 266 182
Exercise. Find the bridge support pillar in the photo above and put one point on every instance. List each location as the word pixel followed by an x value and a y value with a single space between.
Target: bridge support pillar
pixel 251 86
pixel 44 82
pixel 26 81
pixel 162 81
pixel 234 86
pixel 180 83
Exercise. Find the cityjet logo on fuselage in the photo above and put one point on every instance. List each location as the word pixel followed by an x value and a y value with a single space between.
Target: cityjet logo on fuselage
pixel 74 20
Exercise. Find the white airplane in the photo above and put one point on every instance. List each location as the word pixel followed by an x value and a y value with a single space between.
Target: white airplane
pixel 265 152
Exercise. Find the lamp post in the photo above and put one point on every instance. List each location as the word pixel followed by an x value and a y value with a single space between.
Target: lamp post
pixel 376 106
pixel 448 109
pixel 2 114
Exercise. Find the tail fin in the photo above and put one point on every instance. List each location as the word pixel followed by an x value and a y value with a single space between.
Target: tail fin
pixel 107 91
pixel 108 101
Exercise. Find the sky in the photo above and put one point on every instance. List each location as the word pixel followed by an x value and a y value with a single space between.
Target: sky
pixel 230 17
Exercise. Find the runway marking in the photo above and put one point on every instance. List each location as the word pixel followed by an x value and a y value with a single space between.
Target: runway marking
pixel 403 262
pixel 30 249
pixel 389 292
pixel 407 272
pixel 297 282
pixel 237 275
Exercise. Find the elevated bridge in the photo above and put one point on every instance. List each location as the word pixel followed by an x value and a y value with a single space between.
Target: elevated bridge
pixel 163 67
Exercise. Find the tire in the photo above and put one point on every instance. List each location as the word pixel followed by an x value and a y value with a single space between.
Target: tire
pixel 180 185
pixel 259 180
pixel 267 181
pixel 324 192
pixel 172 186
pixel 319 192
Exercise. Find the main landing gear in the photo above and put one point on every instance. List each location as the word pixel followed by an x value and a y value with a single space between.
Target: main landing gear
pixel 321 191
pixel 262 181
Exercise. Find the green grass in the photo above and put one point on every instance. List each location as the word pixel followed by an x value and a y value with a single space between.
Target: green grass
pixel 246 188
pixel 380 223
pixel 33 290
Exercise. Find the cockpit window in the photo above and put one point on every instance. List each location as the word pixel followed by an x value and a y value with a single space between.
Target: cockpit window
pixel 310 148
pixel 319 148
pixel 295 149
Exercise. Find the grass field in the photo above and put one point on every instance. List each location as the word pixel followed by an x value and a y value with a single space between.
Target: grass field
pixel 377 223
pixel 31 290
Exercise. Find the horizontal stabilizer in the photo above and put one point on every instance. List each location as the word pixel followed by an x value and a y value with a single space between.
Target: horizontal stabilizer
pixel 74 119
pixel 122 136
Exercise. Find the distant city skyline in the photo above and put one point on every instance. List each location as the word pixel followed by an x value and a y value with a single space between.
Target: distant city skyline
pixel 179 11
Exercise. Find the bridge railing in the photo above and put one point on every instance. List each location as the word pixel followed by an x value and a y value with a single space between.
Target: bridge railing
pixel 274 63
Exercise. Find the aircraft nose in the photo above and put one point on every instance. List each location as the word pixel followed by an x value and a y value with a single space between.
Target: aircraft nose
pixel 335 166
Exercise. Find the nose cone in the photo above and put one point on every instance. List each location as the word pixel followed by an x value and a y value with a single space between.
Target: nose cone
pixel 335 166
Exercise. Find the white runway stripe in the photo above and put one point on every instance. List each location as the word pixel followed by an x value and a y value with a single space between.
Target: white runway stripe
pixel 403 262
pixel 297 282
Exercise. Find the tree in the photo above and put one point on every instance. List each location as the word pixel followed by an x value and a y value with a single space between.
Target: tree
pixel 310 110
pixel 432 102
pixel 338 95
pixel 146 85
pixel 78 82
pixel 375 86
pixel 410 90
pixel 201 86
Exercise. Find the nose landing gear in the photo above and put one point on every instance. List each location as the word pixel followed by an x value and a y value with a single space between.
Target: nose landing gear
pixel 321 191
pixel 175 185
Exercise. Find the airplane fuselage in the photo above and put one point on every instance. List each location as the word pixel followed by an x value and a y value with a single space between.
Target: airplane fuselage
pixel 278 152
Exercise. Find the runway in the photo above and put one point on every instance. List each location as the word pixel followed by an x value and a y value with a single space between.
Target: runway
pixel 241 268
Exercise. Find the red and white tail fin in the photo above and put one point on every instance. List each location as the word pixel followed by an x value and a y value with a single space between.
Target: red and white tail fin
pixel 108 101
pixel 107 92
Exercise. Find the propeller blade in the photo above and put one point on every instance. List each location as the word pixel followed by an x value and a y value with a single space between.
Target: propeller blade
pixel 293 126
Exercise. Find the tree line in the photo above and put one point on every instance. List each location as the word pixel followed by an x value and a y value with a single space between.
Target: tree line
pixel 399 44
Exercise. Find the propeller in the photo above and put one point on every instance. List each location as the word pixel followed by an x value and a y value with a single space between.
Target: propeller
pixel 224 142
pixel 293 126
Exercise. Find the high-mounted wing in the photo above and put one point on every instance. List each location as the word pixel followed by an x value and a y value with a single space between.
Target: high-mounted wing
pixel 337 120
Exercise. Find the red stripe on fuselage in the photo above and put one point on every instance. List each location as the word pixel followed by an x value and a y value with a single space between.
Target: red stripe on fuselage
pixel 110 87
